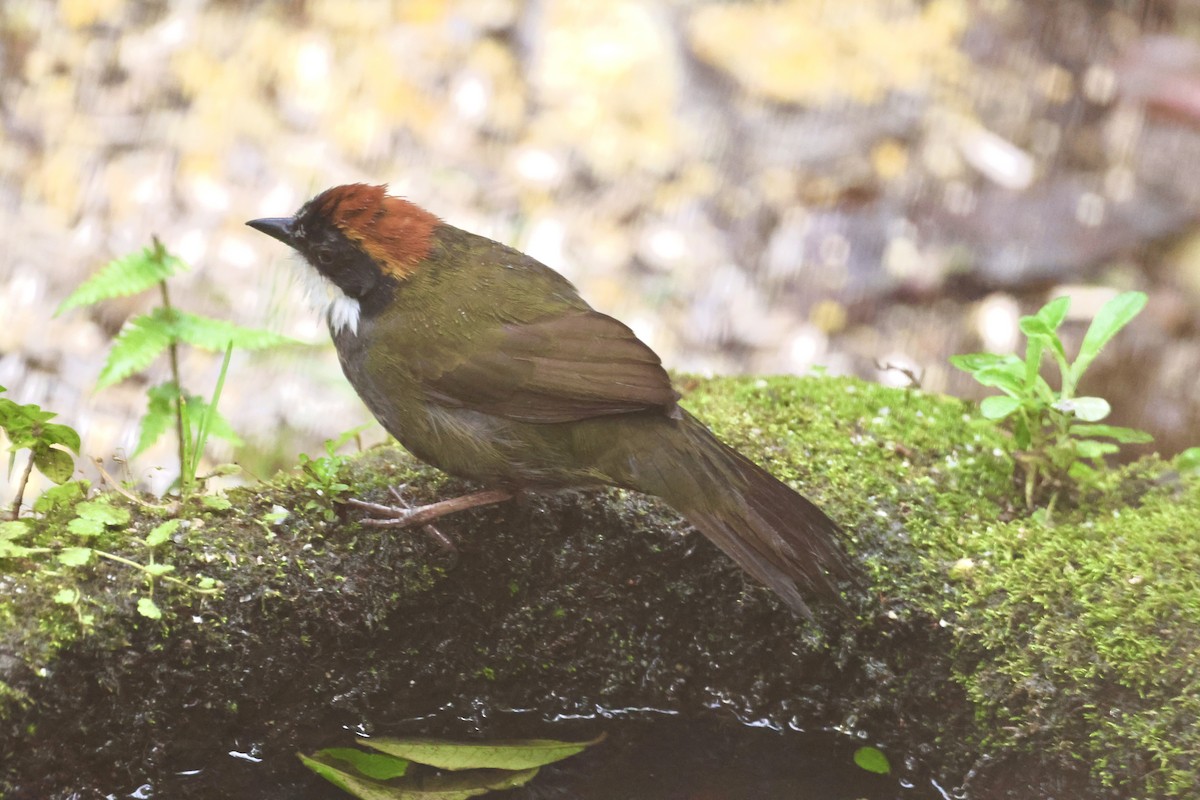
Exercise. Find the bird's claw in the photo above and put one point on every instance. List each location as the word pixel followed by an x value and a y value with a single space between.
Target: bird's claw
pixel 383 516
pixel 401 515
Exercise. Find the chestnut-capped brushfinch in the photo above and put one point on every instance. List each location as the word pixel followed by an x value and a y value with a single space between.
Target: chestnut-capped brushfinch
pixel 488 365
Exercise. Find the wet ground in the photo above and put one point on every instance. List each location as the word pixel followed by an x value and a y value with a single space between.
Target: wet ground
pixel 644 755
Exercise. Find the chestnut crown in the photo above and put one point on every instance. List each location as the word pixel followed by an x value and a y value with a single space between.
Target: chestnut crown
pixel 357 236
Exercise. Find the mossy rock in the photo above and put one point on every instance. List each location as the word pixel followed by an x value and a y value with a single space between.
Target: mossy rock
pixel 987 642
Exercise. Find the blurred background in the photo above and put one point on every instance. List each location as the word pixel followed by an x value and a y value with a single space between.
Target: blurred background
pixel 864 187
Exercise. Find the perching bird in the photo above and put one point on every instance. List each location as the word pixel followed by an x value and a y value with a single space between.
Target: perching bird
pixel 488 365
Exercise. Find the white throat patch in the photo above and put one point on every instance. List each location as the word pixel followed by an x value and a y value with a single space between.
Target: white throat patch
pixel 343 313
pixel 329 301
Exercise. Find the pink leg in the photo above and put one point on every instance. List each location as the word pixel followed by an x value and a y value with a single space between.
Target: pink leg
pixel 399 517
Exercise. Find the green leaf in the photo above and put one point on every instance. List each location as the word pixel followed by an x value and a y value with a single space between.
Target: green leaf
pixel 216 502
pixel 9 549
pixel 1123 435
pixel 61 496
pixel 75 556
pixel 1091 448
pixel 1022 437
pixel 1053 313
pixel 85 527
pixel 140 341
pixel 10 415
pixel 1081 472
pixel 1042 390
pixel 509 755
pixel 1088 409
pixel 333 445
pixel 1033 326
pixel 103 512
pixel 14 529
pixel 1189 460
pixel 158 569
pixel 872 760
pixel 125 276
pixel 1112 316
pixel 218 426
pixel 378 766
pixel 458 786
pixel 1010 378
pixel 1036 329
pixel 55 464
pixel 35 414
pixel 973 362
pixel 161 533
pixel 148 608
pixel 53 433
pixel 461 785
pixel 216 334
pixel 23 423
pixel 998 406
pixel 9 533
pixel 160 414
pixel 200 439
pixel 66 597
pixel 362 788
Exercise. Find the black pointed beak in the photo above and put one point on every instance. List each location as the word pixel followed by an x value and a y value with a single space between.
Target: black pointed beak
pixel 276 227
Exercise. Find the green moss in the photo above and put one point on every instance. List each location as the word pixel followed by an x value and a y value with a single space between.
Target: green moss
pixel 1077 641
pixel 882 462
pixel 1088 632
pixel 232 544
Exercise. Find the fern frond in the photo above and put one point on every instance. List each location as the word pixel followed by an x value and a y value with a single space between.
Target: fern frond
pixel 160 413
pixel 124 276
pixel 216 334
pixel 218 426
pixel 139 342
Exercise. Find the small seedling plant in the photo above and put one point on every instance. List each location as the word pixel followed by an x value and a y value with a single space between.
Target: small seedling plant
pixel 65 553
pixel 322 475
pixel 50 444
pixel 97 518
pixel 163 331
pixel 1058 434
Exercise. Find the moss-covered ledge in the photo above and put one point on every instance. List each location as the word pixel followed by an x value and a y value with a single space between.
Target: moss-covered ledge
pixel 1023 658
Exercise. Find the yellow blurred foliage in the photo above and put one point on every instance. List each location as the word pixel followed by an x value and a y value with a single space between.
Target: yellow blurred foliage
pixel 82 13
pixel 829 316
pixel 817 52
pixel 890 159
pixel 609 83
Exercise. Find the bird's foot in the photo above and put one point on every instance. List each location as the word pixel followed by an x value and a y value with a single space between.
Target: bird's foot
pixel 406 516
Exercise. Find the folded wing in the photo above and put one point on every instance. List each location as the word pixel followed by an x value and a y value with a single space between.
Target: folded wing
pixel 570 366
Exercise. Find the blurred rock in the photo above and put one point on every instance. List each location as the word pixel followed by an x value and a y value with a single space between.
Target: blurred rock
pixel 752 186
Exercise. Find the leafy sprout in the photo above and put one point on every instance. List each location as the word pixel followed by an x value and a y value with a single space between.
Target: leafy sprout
pixel 50 444
pixel 1058 434
pixel 146 337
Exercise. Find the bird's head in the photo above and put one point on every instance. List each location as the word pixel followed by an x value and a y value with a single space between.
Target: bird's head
pixel 360 240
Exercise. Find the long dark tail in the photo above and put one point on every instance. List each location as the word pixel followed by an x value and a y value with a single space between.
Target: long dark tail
pixel 771 531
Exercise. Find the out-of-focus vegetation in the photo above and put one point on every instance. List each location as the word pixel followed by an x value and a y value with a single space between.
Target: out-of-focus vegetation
pixel 755 187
